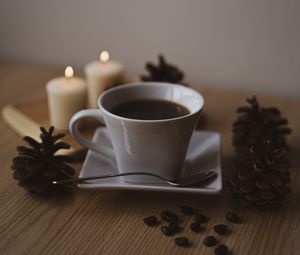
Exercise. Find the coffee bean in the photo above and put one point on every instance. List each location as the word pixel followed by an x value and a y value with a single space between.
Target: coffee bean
pixel 221 229
pixel 151 221
pixel 182 241
pixel 167 230
pixel 174 226
pixel 210 241
pixel 221 249
pixel 200 218
pixel 169 216
pixel 185 209
pixel 233 217
pixel 196 227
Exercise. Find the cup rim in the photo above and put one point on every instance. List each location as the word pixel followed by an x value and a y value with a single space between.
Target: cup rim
pixel 101 107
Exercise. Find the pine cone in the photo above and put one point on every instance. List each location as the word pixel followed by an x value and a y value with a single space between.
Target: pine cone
pixel 37 166
pixel 255 123
pixel 261 175
pixel 163 72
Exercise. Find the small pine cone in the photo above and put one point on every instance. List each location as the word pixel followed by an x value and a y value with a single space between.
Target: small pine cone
pixel 37 166
pixel 163 72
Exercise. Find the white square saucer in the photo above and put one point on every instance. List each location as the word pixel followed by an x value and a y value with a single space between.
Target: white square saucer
pixel 204 153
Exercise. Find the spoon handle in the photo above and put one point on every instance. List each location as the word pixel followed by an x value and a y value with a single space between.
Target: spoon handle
pixel 83 179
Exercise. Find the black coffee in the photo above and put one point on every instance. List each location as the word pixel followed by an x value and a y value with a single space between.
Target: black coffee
pixel 150 109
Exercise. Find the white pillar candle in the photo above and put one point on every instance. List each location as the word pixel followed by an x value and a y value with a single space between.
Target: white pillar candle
pixel 66 95
pixel 101 75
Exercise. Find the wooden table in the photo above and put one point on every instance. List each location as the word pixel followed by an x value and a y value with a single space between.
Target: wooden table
pixel 111 222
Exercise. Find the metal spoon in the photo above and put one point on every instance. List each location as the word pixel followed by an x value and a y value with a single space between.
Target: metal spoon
pixel 193 180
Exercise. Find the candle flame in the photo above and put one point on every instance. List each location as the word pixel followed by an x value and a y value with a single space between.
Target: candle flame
pixel 69 73
pixel 104 56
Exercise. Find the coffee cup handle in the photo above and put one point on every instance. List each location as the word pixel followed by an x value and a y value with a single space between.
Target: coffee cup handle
pixel 73 126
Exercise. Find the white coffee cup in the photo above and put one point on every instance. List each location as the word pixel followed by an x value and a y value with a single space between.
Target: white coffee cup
pixel 157 146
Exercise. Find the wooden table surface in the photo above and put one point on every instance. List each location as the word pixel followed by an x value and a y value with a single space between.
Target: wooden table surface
pixel 111 222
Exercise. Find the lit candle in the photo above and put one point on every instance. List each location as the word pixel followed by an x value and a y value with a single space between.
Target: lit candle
pixel 66 95
pixel 101 75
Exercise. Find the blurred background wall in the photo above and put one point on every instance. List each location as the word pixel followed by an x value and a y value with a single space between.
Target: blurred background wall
pixel 246 44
